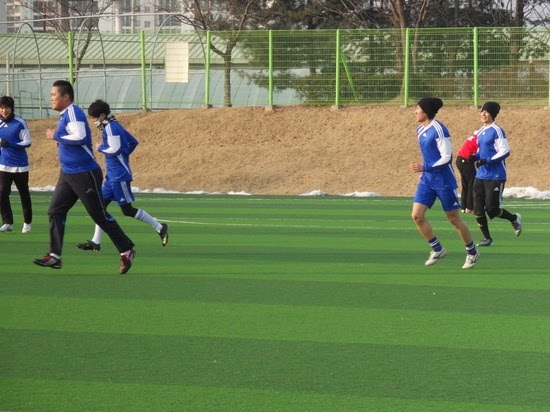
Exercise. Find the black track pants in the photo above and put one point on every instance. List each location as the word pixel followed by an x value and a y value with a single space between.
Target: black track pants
pixel 85 186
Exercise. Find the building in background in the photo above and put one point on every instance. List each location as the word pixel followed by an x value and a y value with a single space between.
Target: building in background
pixel 132 15
pixel 119 16
pixel 12 12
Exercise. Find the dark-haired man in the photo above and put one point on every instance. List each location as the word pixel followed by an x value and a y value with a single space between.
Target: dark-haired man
pixel 80 178
pixel 491 174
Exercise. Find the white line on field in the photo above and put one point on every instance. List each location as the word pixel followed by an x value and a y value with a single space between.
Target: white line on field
pixel 190 222
pixel 437 225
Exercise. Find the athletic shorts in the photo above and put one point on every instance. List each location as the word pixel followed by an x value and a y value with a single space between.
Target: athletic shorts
pixel 120 192
pixel 487 195
pixel 427 196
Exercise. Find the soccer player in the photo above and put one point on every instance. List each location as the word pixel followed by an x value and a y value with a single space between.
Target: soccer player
pixel 80 178
pixel 117 145
pixel 437 181
pixel 491 174
pixel 15 139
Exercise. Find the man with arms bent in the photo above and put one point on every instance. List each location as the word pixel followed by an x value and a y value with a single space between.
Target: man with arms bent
pixel 437 181
pixel 80 178
pixel 491 174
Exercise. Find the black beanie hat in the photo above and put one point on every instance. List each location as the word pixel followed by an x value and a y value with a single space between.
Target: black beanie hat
pixel 493 108
pixel 430 106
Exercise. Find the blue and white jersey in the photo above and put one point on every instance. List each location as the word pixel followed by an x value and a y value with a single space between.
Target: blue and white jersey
pixel 117 145
pixel 494 148
pixel 13 157
pixel 435 145
pixel 74 141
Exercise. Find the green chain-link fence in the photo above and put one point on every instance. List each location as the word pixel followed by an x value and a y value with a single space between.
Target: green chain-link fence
pixel 265 68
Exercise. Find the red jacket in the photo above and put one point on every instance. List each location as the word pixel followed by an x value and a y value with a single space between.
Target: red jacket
pixel 469 147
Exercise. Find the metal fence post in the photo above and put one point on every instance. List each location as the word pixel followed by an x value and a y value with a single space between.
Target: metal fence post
pixel 270 74
pixel 143 73
pixel 406 74
pixel 207 70
pixel 337 71
pixel 476 68
pixel 70 40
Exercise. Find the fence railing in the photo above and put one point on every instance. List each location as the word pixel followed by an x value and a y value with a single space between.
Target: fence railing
pixel 266 68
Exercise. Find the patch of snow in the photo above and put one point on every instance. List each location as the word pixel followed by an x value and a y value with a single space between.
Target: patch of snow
pixel 512 192
pixel 314 193
pixel 232 193
pixel 361 194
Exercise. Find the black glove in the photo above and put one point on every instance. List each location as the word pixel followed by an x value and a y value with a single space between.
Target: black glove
pixel 4 143
pixel 480 162
pixel 472 158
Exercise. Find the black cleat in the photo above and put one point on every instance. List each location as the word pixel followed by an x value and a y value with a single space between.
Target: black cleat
pixel 164 234
pixel 48 261
pixel 89 245
pixel 126 261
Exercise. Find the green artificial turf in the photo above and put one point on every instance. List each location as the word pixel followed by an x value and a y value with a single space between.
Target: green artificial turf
pixel 276 304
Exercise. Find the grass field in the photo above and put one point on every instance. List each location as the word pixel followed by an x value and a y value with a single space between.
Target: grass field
pixel 277 304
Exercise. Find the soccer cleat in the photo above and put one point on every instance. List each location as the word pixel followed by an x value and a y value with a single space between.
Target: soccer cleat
pixel 485 242
pixel 126 261
pixel 6 227
pixel 89 245
pixel 164 234
pixel 26 228
pixel 436 257
pixel 516 224
pixel 470 260
pixel 48 261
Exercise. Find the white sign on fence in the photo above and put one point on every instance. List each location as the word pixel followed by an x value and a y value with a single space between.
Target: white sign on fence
pixel 176 61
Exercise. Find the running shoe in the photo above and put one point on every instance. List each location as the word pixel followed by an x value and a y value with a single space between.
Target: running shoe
pixel 470 260
pixel 126 261
pixel 485 242
pixel 48 261
pixel 89 245
pixel 515 224
pixel 436 257
pixel 164 234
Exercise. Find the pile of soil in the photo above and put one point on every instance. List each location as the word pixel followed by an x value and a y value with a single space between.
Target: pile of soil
pixel 294 150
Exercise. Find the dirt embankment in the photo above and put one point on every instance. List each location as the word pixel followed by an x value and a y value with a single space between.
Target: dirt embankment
pixel 293 150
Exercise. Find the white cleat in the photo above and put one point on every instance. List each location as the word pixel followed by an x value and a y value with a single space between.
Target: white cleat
pixel 470 261
pixel 517 224
pixel 26 228
pixel 436 257
pixel 6 228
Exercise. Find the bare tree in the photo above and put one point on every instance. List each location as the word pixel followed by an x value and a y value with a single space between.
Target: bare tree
pixel 377 13
pixel 537 13
pixel 62 16
pixel 229 16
